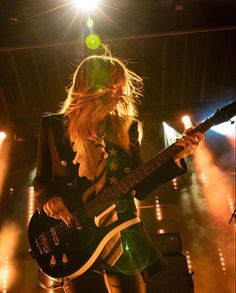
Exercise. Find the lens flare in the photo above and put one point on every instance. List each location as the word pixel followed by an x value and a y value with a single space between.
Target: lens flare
pixel 89 22
pixel 93 41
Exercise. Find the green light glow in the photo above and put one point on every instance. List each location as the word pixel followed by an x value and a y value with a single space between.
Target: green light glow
pixel 89 23
pixel 93 41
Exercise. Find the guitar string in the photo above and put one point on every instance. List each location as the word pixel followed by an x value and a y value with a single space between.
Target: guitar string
pixel 61 228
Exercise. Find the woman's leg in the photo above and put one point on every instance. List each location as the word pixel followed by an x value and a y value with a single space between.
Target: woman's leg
pixel 121 283
pixel 88 282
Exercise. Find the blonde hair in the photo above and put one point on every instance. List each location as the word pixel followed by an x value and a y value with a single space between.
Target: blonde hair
pixel 87 104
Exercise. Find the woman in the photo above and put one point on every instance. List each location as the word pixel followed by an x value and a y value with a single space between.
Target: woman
pixel 88 146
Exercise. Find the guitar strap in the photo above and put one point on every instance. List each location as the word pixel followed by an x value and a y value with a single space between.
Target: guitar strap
pixel 113 248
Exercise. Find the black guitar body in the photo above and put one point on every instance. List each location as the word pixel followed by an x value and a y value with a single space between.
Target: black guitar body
pixel 63 252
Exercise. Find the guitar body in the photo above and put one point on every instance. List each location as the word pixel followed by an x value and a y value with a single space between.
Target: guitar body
pixel 61 252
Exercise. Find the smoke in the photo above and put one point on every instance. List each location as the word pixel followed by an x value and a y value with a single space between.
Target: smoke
pixel 9 237
pixel 216 188
pixel 207 212
pixel 5 147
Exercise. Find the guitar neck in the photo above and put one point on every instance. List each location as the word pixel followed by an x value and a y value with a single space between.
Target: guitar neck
pixel 138 175
pixel 126 184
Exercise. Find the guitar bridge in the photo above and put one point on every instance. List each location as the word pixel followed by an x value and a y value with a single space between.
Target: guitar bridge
pixel 42 244
pixel 54 235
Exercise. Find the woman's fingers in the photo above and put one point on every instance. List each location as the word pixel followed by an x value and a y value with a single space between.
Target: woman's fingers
pixel 56 209
pixel 189 143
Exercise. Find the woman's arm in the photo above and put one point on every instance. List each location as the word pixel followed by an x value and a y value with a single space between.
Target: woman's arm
pixel 174 167
pixel 43 180
pixel 47 200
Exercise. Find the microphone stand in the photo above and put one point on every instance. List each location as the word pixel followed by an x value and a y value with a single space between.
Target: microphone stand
pixel 232 216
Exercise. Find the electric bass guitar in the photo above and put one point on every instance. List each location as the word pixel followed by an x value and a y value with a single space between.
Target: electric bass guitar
pixel 63 252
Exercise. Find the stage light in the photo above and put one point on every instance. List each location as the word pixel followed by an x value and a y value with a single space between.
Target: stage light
pixel 170 134
pixel 222 260
pixel 31 203
pixel 189 262
pixel 187 122
pixel 86 5
pixel 9 238
pixel 161 231
pixel 2 135
pixel 158 210
pixel 226 128
pixel 231 204
pixel 175 183
pixel 5 146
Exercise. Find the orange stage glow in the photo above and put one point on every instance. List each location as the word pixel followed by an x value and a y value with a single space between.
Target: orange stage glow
pixel 217 185
pixel 2 136
pixel 5 146
pixel 215 188
pixel 207 210
pixel 231 140
pixel 9 236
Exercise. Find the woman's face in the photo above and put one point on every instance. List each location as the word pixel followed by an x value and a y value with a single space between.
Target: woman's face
pixel 109 100
pixel 118 91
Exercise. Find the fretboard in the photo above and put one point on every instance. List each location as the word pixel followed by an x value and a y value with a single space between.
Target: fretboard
pixel 129 182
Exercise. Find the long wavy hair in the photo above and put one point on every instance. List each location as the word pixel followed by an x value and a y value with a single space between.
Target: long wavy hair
pixel 96 82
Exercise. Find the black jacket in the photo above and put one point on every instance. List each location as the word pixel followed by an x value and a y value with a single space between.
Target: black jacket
pixel 56 174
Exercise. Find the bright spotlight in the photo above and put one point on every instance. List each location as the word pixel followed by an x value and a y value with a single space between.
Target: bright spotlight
pixel 170 134
pixel 2 135
pixel 87 5
pixel 187 122
pixel 226 128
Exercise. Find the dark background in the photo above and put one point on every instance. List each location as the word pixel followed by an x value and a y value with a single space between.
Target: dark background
pixel 184 50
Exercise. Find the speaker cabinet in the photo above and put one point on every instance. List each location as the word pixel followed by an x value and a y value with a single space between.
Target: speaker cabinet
pixel 175 278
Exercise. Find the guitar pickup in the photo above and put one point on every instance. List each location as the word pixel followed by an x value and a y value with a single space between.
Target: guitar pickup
pixel 42 244
pixel 54 236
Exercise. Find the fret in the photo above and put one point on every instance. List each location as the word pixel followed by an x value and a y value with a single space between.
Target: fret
pixel 129 182
pixel 108 194
pixel 134 179
pixel 142 172
pixel 123 187
pixel 115 192
pixel 118 188
pixel 149 166
pixel 139 175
